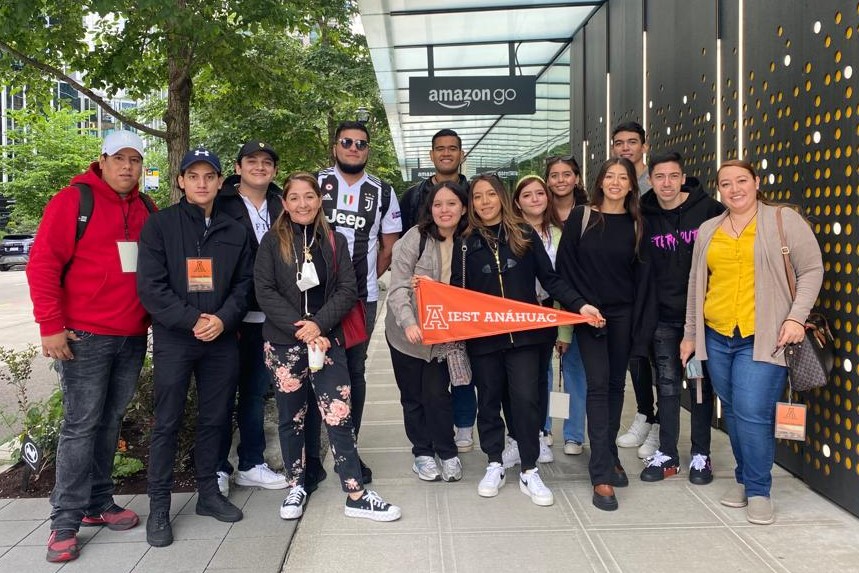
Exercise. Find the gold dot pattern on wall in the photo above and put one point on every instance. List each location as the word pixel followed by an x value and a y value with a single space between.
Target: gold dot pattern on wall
pixel 802 131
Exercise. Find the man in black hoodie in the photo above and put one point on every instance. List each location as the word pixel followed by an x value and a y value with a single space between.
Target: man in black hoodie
pixel 674 211
pixel 253 199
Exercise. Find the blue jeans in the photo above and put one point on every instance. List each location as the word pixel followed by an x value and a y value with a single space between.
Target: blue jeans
pixel 749 391
pixel 575 384
pixel 97 387
pixel 254 384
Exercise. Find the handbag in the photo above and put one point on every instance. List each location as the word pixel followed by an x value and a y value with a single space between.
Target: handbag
pixel 354 322
pixel 810 362
pixel 454 353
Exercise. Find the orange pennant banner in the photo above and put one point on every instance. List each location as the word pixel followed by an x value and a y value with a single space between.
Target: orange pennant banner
pixel 449 313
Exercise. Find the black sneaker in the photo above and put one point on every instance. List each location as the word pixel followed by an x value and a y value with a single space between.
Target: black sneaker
pixel 371 506
pixel 159 532
pixel 293 506
pixel 700 470
pixel 313 474
pixel 659 466
pixel 366 473
pixel 219 507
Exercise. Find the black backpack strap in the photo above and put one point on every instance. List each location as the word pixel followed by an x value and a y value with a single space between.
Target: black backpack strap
pixel 147 202
pixel 422 245
pixel 84 210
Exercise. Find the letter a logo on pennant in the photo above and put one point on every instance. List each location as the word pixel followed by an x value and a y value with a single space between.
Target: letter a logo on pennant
pixel 434 318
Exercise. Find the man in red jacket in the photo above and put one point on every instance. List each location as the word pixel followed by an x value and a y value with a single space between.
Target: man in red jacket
pixel 84 292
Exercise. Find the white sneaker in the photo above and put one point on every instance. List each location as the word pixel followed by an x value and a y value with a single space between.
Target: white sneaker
pixel 494 479
pixel 293 506
pixel 532 485
pixel 426 468
pixel 546 455
pixel 550 441
pixel 261 476
pixel 224 483
pixel 510 455
pixel 572 448
pixel 636 434
pixel 651 443
pixel 451 470
pixel 464 439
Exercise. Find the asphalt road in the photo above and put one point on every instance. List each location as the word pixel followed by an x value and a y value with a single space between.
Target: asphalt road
pixel 17 330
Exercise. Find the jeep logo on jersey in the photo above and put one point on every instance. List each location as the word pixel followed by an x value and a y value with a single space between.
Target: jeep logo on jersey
pixel 473 95
pixel 346 219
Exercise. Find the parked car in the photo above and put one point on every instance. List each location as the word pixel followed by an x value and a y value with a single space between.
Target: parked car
pixel 15 250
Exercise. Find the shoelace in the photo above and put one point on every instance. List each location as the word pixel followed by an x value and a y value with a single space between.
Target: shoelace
pixel 657 459
pixel 491 471
pixel 373 499
pixel 535 481
pixel 699 462
pixel 162 518
pixel 295 496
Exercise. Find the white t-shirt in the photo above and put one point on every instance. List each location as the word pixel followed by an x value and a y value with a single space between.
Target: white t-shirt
pixel 261 222
pixel 356 212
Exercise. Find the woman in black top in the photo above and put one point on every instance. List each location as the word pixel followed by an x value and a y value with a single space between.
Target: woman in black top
pixel 604 263
pixel 503 256
pixel 305 284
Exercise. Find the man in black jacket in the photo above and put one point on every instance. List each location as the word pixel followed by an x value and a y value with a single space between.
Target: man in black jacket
pixel 674 211
pixel 251 198
pixel 446 156
pixel 194 275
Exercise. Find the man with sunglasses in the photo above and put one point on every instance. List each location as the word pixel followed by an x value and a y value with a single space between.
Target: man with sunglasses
pixel 446 157
pixel 364 209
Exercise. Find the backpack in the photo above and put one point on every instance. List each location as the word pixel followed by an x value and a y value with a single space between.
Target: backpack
pixel 86 206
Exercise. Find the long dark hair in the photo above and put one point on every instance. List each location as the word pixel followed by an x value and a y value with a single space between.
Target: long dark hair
pixel 550 216
pixel 580 195
pixel 512 225
pixel 282 227
pixel 631 202
pixel 426 224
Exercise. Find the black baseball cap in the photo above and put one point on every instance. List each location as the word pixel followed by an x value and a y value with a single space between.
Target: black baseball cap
pixel 255 145
pixel 201 154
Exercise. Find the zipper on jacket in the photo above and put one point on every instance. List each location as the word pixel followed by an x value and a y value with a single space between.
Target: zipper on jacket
pixel 495 252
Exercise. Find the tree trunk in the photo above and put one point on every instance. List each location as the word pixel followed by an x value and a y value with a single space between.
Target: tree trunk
pixel 177 118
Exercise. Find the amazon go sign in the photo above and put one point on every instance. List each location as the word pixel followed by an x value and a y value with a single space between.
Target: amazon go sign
pixel 472 95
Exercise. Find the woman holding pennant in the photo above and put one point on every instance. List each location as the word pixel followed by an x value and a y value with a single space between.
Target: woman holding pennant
pixel 425 251
pixel 501 255
pixel 600 254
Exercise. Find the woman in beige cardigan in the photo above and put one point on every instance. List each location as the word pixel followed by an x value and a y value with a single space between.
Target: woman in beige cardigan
pixel 739 317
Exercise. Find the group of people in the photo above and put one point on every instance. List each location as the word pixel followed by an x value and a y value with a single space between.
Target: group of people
pixel 245 285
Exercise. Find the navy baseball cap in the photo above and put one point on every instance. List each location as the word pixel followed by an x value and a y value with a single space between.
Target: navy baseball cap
pixel 197 155
pixel 255 145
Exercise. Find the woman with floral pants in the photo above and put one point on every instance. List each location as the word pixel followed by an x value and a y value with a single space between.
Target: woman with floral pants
pixel 305 284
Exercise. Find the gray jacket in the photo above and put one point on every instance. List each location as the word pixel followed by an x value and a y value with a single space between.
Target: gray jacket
pixel 402 307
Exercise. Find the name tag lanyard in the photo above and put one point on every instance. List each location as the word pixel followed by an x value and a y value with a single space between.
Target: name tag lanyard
pixel 308 258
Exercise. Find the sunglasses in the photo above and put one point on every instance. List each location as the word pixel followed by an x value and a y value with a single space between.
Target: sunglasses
pixel 360 144
pixel 556 158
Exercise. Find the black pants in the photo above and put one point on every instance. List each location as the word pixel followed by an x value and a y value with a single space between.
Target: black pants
pixel 356 359
pixel 641 372
pixel 605 353
pixel 543 389
pixel 669 385
pixel 176 356
pixel 427 405
pixel 291 376
pixel 514 371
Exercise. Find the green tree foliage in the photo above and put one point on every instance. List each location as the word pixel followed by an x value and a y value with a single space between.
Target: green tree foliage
pixel 45 150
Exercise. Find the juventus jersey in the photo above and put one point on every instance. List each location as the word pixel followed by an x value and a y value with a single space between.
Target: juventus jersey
pixel 355 211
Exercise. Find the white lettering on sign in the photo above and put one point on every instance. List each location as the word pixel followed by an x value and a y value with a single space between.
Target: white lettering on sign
pixel 347 220
pixel 435 318
pixel 460 98
pixel 511 316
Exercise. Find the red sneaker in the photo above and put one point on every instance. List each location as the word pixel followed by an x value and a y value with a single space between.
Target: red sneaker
pixel 63 546
pixel 114 517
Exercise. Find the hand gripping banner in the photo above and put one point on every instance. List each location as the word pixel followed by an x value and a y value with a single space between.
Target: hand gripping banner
pixel 449 313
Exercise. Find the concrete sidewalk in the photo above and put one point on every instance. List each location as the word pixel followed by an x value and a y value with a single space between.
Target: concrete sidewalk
pixel 447 527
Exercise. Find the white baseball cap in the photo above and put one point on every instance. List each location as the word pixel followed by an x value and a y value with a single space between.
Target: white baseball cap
pixel 122 140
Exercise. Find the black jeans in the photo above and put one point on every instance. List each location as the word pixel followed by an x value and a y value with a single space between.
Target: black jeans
pixel 176 356
pixel 514 371
pixel 289 371
pixel 427 405
pixel 543 390
pixel 356 359
pixel 641 372
pixel 605 353
pixel 669 385
pixel 253 384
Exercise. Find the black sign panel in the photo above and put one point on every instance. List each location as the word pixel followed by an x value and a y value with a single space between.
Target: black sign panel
pixel 419 173
pixel 472 95
pixel 31 453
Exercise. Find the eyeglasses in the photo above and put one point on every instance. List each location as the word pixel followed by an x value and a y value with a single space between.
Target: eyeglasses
pixel 360 144
pixel 556 158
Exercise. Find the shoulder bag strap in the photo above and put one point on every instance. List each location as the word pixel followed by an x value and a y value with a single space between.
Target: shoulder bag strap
pixel 785 254
pixel 464 250
pixel 586 216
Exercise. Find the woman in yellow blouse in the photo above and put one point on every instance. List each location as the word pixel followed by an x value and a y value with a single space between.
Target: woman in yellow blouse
pixel 739 317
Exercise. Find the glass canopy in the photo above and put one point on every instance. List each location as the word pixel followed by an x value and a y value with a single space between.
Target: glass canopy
pixel 475 38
